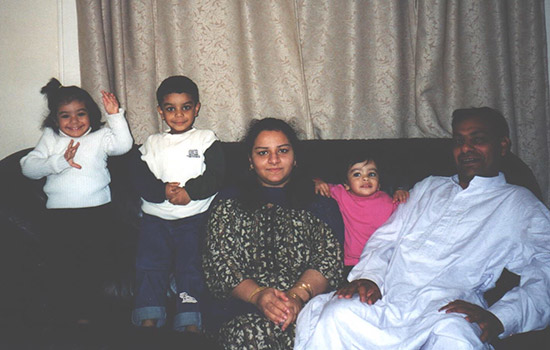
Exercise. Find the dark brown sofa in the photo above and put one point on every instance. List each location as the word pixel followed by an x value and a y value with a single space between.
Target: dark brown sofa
pixel 403 162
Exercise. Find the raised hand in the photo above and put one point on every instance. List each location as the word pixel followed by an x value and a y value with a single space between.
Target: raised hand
pixel 490 325
pixel 110 102
pixel 368 291
pixel 70 152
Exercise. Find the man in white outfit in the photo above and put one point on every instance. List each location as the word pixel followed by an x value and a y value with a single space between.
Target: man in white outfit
pixel 420 281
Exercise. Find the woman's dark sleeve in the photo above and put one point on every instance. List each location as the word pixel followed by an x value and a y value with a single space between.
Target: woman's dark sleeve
pixel 327 210
pixel 144 182
pixel 211 180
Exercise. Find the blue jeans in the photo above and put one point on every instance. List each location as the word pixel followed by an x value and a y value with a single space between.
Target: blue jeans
pixel 165 246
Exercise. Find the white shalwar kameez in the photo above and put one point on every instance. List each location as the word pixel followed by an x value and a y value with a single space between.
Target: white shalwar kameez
pixel 446 243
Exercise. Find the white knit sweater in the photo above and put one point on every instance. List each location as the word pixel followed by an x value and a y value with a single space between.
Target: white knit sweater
pixel 69 187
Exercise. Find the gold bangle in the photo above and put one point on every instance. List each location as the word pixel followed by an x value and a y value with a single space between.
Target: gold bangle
pixel 296 296
pixel 256 291
pixel 307 288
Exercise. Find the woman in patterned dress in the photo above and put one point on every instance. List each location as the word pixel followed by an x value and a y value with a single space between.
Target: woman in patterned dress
pixel 271 244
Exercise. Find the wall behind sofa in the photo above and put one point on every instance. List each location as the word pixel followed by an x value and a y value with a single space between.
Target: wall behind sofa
pixel 37 42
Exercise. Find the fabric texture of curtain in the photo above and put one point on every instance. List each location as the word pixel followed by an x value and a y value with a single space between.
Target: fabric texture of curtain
pixel 335 69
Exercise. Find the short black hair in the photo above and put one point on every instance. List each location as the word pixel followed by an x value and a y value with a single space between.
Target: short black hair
pixel 178 84
pixel 58 94
pixel 491 115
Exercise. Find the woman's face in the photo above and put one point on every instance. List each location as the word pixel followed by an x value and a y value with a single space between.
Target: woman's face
pixel 272 158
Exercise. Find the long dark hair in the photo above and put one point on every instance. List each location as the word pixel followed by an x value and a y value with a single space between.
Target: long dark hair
pixel 58 94
pixel 299 189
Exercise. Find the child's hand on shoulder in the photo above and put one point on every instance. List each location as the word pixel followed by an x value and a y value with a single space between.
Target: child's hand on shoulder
pixel 70 152
pixel 322 188
pixel 400 196
pixel 110 102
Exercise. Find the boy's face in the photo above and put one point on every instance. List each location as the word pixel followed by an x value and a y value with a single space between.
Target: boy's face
pixel 363 179
pixel 179 111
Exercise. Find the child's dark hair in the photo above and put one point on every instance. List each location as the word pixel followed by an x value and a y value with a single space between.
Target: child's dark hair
pixel 58 94
pixel 300 191
pixel 178 84
pixel 354 158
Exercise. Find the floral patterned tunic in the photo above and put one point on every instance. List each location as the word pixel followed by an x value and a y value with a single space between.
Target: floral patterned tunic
pixel 272 245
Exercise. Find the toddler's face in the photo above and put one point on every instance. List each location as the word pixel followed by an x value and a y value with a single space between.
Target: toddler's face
pixel 363 179
pixel 73 118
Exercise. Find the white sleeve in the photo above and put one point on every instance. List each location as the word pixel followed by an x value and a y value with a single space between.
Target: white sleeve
pixel 148 154
pixel 42 161
pixel 119 140
pixel 208 137
pixel 527 307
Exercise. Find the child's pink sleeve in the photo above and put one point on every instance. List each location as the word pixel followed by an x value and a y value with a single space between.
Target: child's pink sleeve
pixel 336 190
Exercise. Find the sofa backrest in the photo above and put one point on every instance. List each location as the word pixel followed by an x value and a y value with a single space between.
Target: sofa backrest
pixel 403 162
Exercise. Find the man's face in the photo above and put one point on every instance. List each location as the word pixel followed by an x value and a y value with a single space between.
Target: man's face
pixel 477 150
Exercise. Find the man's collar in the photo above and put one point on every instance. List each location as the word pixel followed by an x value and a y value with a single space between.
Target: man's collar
pixel 483 181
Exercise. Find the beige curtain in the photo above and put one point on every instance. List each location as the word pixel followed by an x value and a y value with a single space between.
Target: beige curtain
pixel 337 69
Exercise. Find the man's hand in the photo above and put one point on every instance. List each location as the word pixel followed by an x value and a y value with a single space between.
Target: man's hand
pixel 322 188
pixel 490 325
pixel 368 291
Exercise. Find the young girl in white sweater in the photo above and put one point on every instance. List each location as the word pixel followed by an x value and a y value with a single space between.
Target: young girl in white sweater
pixel 72 154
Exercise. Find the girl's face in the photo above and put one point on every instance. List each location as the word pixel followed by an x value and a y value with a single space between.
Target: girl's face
pixel 73 119
pixel 272 158
pixel 363 179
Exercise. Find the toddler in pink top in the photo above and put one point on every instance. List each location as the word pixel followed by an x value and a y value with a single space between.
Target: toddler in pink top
pixel 363 205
